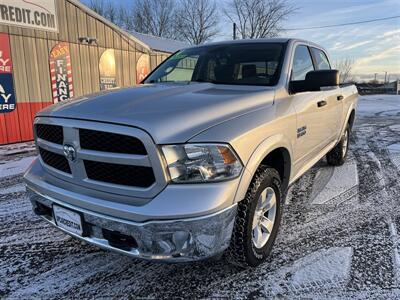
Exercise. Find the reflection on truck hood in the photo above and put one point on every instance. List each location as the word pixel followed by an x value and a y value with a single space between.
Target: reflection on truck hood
pixel 171 113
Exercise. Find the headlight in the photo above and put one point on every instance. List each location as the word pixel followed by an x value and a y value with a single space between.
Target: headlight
pixel 201 162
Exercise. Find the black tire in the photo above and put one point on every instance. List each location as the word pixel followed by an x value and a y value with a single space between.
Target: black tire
pixel 242 251
pixel 337 156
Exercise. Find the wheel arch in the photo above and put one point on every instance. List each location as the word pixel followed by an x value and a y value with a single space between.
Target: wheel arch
pixel 351 118
pixel 275 152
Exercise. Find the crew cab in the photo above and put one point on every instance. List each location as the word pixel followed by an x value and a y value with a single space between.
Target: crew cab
pixel 194 162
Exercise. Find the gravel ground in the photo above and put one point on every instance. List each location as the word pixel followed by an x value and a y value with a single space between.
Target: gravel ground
pixel 340 236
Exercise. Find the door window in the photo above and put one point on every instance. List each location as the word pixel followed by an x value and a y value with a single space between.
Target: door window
pixel 322 62
pixel 302 63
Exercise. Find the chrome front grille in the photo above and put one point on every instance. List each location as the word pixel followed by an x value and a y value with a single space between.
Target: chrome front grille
pixel 50 133
pixel 110 158
pixel 110 142
pixel 55 161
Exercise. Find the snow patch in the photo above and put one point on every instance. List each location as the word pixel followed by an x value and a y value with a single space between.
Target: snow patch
pixel 324 269
pixel 336 184
pixel 13 189
pixel 381 105
pixel 332 265
pixel 394 148
pixel 15 167
pixel 65 276
pixel 396 255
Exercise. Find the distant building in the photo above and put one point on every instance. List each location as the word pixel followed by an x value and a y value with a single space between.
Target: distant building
pixel 52 50
pixel 379 88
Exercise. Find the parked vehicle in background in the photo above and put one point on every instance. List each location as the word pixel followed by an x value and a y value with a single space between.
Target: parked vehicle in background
pixel 197 160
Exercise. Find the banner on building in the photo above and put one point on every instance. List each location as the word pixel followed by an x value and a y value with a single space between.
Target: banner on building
pixel 61 73
pixel 142 68
pixel 7 93
pixel 108 79
pixel 35 14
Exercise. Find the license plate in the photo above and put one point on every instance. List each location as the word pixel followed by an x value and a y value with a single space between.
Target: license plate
pixel 68 219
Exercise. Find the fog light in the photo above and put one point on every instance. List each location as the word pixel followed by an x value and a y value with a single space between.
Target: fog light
pixel 182 240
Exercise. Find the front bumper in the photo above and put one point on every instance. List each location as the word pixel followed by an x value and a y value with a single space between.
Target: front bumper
pixel 177 240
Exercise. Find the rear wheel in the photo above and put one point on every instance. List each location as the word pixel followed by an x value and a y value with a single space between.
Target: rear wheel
pixel 337 156
pixel 257 220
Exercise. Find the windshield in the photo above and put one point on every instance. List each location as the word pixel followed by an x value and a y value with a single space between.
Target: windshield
pixel 247 64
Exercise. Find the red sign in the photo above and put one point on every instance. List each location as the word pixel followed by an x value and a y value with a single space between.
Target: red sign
pixel 7 94
pixel 142 68
pixel 61 73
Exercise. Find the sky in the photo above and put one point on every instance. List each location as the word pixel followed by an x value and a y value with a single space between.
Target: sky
pixel 374 47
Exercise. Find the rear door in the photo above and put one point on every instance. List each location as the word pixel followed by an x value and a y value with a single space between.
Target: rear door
pixel 332 111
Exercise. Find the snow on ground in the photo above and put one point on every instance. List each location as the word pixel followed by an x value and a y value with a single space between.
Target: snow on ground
pixel 340 235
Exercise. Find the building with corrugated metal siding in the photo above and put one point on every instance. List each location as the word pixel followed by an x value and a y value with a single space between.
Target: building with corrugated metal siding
pixel 52 50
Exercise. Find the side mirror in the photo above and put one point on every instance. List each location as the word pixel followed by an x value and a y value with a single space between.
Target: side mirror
pixel 315 80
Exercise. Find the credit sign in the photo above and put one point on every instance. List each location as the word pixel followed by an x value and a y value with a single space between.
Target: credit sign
pixel 7 93
pixel 35 14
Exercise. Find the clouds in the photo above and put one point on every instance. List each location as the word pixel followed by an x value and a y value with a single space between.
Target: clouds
pixel 373 46
pixel 342 46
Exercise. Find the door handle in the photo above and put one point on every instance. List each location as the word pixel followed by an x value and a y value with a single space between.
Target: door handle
pixel 321 103
pixel 340 97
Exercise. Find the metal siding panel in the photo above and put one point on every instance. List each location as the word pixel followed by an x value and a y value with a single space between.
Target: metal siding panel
pixel 125 68
pixel 132 68
pixel 76 69
pixel 72 23
pixel 25 121
pixel 100 34
pixel 117 40
pixel 94 66
pixel 32 70
pixel 28 32
pixel 4 28
pixel 82 23
pixel 15 30
pixel 13 130
pixel 19 68
pixel 124 43
pixel 41 34
pixel 85 69
pixel 62 21
pixel 109 37
pixel 153 61
pixel 3 130
pixel 91 26
pixel 118 67
pixel 44 72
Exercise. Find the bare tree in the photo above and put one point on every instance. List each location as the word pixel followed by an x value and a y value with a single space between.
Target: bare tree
pixel 98 6
pixel 258 18
pixel 155 17
pixel 344 66
pixel 197 21
pixel 109 10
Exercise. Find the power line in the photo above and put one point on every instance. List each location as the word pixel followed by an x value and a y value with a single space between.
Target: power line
pixel 342 24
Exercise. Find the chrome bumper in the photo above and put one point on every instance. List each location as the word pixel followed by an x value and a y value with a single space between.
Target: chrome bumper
pixel 167 240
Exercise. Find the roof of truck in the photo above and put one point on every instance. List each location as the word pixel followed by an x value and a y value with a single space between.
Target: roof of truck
pixel 261 40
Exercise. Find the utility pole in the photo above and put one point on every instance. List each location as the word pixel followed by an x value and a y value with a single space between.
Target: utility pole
pixel 385 77
pixel 234 31
pixel 375 77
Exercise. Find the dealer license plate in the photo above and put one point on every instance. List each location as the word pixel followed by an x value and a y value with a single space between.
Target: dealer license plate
pixel 68 219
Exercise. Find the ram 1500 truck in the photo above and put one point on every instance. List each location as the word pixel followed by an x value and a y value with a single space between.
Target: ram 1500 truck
pixel 195 161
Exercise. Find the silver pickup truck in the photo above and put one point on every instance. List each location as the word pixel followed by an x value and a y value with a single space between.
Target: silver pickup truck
pixel 196 161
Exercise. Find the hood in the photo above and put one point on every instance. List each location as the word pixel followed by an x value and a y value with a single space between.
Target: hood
pixel 170 113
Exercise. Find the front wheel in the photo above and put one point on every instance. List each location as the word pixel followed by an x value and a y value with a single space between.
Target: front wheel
pixel 257 220
pixel 337 156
